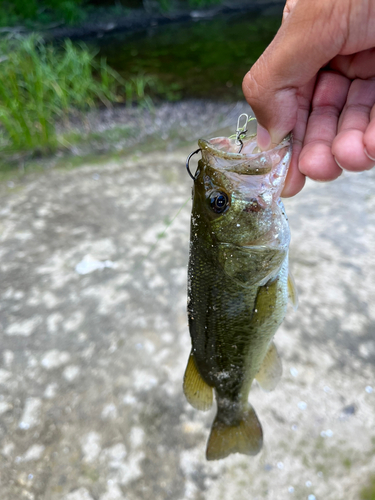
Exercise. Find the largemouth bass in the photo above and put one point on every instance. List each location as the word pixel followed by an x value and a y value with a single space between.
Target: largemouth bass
pixel 237 286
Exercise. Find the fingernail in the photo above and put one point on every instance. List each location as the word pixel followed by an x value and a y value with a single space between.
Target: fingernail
pixel 263 138
pixel 338 163
pixel 366 153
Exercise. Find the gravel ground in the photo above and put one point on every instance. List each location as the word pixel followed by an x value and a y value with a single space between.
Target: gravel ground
pixel 94 343
pixel 119 128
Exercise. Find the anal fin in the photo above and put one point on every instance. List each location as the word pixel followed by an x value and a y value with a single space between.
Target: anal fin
pixel 245 436
pixel 198 393
pixel 270 370
pixel 292 291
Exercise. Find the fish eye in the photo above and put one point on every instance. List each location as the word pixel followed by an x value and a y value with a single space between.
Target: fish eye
pixel 219 201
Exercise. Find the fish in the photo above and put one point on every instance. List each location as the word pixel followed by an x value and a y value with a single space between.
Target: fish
pixel 239 285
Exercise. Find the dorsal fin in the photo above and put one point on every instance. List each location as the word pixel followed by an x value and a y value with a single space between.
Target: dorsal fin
pixel 198 393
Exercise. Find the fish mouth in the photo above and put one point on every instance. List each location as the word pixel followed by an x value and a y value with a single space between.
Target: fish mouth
pixel 222 147
pixel 220 153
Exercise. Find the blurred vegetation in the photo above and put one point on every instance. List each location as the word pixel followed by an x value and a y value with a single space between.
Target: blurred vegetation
pixel 206 59
pixel 40 83
pixel 14 12
pixel 167 5
pixel 368 492
pixel 42 12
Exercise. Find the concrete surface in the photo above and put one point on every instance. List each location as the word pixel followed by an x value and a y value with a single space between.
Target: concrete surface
pixel 94 343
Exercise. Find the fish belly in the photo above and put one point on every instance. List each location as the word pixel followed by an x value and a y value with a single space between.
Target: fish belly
pixel 231 325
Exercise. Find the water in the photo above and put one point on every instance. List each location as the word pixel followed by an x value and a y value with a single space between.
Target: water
pixel 204 59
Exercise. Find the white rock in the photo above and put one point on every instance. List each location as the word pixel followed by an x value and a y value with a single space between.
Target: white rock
pixel 8 449
pixel 131 470
pixel 23 328
pixel 73 322
pixel 35 452
pixel 129 399
pixel 54 358
pixel 294 372
pixel 8 357
pixel 4 407
pixel 50 300
pixel 53 322
pixel 51 391
pixel 302 405
pixel 88 265
pixel 31 413
pixel 137 436
pixel 81 494
pixel 114 455
pixel 90 444
pixel 4 375
pixel 113 493
pixel 143 381
pixel 109 412
pixel 71 372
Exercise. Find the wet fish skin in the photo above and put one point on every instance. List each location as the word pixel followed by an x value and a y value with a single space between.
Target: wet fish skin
pixel 237 297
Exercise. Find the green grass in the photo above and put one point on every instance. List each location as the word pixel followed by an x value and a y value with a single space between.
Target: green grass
pixel 40 83
pixel 32 13
pixel 368 492
pixel 14 12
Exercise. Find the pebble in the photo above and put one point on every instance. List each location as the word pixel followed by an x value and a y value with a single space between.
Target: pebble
pixel 4 407
pixel 31 413
pixel 35 452
pixel 137 436
pixel 91 448
pixel 54 359
pixel 294 372
pixel 109 412
pixel 328 433
pixel 71 372
pixel 81 494
pixel 113 493
pixel 23 328
pixel 302 405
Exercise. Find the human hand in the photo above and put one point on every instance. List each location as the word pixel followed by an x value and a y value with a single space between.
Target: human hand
pixel 332 110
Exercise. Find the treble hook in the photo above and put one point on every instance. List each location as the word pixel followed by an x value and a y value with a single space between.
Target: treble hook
pixel 188 160
pixel 241 131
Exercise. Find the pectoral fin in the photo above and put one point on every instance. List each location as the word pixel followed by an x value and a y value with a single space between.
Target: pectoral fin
pixel 271 369
pixel 292 290
pixel 197 392
pixel 265 302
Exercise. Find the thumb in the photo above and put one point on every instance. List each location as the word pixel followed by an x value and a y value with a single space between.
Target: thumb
pixel 311 35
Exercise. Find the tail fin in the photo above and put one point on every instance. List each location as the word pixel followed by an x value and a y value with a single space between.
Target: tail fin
pixel 245 436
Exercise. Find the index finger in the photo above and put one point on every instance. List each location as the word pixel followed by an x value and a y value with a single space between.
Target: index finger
pixel 312 34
